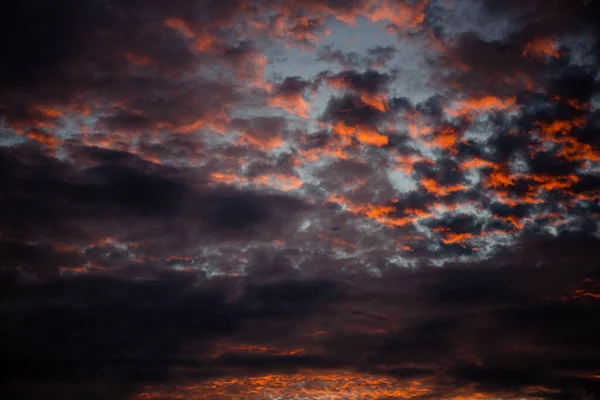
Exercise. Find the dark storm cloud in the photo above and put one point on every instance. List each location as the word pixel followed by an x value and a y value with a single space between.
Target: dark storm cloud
pixel 40 260
pixel 473 317
pixel 51 30
pixel 134 332
pixel 46 199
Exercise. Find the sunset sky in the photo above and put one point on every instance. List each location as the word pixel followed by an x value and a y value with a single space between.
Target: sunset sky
pixel 310 199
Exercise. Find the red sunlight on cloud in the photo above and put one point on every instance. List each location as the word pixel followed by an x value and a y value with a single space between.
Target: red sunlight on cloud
pixel 49 112
pixel 250 68
pixel 317 154
pixel 559 132
pixel 474 106
pixel 181 25
pixel 550 183
pixel 229 347
pixel 293 103
pixel 445 139
pixel 276 180
pixel 44 138
pixel 202 41
pixel 440 190
pixel 380 213
pixel 364 134
pixel 378 102
pixel 304 385
pixel 500 177
pixel 264 144
pixel 474 163
pixel 137 59
pixel 541 47
pixel 405 162
pixel 450 237
pixel 311 384
pixel 401 15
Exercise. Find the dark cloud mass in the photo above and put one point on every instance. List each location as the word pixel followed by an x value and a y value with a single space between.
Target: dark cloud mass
pixel 378 199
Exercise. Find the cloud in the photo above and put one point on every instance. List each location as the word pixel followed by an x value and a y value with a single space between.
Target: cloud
pixel 289 95
pixel 264 199
pixel 471 315
pixel 81 204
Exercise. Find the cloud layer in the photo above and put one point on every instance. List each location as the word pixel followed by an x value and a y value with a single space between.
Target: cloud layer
pixel 376 200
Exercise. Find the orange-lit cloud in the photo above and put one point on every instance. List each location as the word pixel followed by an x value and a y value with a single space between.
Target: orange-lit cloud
pixel 140 60
pixel 548 183
pixel 364 134
pixel 49 112
pixel 380 213
pixel 227 347
pixel 374 97
pixel 201 41
pixel 579 294
pixel 416 130
pixel 500 177
pixel 181 25
pixel 405 162
pixel 218 122
pixel 280 181
pixel 440 190
pixel 572 102
pixel 541 47
pixel 264 144
pixel 445 139
pixel 64 248
pixel 450 237
pixel 474 163
pixel 277 181
pixel 250 68
pixel 302 385
pixel 316 154
pixel 474 106
pixel 46 139
pixel 551 129
pixel 293 103
pixel 377 101
pixel 304 29
pixel 401 15
pixel 560 132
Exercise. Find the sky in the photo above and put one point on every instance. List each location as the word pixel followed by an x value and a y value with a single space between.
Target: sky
pixel 311 199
